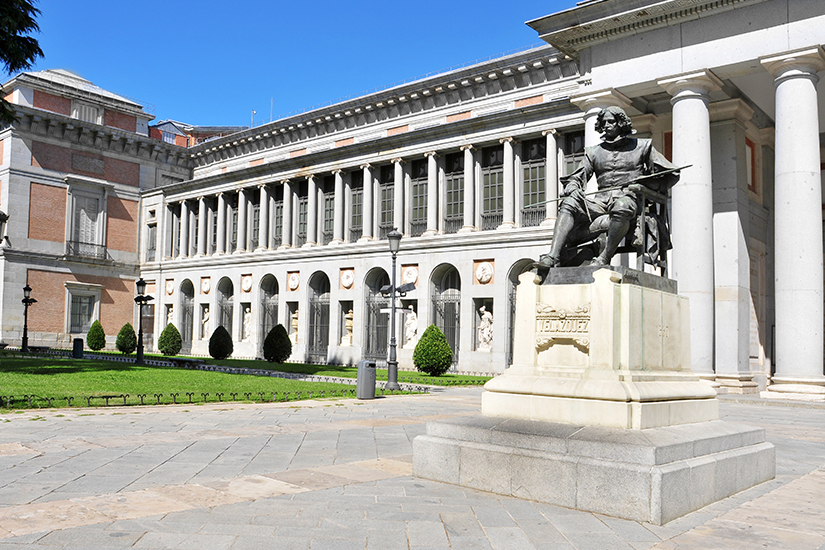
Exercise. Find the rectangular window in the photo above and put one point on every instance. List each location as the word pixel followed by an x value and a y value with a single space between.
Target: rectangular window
pixel 533 164
pixel 278 223
pixel 329 218
pixel 213 241
pixel 492 187
pixel 86 234
pixel 357 206
pixel 573 150
pixel 193 230
pixel 169 137
pixel 86 112
pixel 386 193
pixel 303 204
pixel 454 193
pixel 233 223
pixel 256 225
pixel 418 197
pixel 750 163
pixel 82 313
pixel 151 242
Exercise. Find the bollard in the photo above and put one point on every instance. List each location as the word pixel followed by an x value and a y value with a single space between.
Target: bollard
pixel 77 348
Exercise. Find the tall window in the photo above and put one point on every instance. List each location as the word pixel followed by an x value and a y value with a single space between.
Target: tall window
pixel 492 187
pixel 213 230
pixel 454 193
pixel 386 194
pixel 357 206
pixel 303 210
pixel 277 227
pixel 87 225
pixel 418 197
pixel 233 223
pixel 256 225
pixel 82 313
pixel 151 241
pixel 329 210
pixel 533 160
pixel 573 150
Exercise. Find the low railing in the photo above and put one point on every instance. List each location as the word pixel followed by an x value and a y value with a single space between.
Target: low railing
pixel 533 216
pixel 86 250
pixel 452 225
pixel 491 221
pixel 417 228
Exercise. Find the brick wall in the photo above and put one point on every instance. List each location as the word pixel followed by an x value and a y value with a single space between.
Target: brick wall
pixel 121 225
pixel 47 212
pixel 181 141
pixel 49 313
pixel 154 133
pixel 119 120
pixel 62 159
pixel 53 103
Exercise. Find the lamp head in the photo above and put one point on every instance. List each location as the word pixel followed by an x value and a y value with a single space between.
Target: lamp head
pixel 140 286
pixel 394 238
pixel 27 291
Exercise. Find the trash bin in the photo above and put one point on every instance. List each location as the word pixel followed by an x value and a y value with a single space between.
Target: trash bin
pixel 365 388
pixel 77 348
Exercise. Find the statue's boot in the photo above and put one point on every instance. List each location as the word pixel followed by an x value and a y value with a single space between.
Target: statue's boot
pixel 615 233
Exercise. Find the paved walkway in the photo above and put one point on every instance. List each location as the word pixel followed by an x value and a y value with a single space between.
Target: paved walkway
pixel 336 475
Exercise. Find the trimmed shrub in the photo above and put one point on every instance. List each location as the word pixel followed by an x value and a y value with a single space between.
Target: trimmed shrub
pixel 277 347
pixel 433 354
pixel 126 339
pixel 96 337
pixel 220 344
pixel 169 342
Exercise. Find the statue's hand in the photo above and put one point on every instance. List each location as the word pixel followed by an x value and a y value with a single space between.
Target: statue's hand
pixel 574 191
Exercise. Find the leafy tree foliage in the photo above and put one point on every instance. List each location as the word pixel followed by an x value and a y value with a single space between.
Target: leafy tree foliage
pixel 433 354
pixel 96 337
pixel 126 339
pixel 220 343
pixel 170 342
pixel 17 49
pixel 277 346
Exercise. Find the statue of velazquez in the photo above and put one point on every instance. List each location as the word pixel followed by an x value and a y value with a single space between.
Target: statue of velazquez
pixel 589 229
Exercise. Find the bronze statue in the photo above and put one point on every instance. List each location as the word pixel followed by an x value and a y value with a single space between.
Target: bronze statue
pixel 591 228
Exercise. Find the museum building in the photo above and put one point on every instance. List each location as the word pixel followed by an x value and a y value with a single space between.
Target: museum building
pixel 287 222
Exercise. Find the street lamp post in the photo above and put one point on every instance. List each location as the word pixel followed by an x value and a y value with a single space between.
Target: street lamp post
pixel 394 238
pixel 27 301
pixel 141 300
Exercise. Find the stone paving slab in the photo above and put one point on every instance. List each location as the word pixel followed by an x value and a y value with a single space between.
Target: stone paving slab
pixel 337 474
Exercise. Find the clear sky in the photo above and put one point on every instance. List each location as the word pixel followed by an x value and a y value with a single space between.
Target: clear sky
pixel 212 62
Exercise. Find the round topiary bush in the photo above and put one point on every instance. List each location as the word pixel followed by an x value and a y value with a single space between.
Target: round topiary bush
pixel 169 342
pixel 126 339
pixel 277 347
pixel 96 338
pixel 433 354
pixel 220 344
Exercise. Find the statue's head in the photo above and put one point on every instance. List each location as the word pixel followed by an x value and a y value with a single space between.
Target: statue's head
pixel 621 118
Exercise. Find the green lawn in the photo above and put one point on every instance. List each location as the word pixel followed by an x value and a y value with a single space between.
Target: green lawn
pixel 57 378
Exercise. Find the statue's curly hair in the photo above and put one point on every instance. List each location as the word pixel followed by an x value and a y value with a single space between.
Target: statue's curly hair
pixel 624 122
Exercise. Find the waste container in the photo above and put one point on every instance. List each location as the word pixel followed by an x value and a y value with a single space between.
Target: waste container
pixel 365 388
pixel 77 348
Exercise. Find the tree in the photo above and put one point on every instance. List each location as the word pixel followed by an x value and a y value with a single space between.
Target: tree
pixel 96 337
pixel 17 49
pixel 169 342
pixel 277 347
pixel 220 343
pixel 126 341
pixel 433 354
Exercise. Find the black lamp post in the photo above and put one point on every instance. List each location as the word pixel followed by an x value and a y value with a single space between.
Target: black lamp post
pixel 27 301
pixel 141 300
pixel 394 238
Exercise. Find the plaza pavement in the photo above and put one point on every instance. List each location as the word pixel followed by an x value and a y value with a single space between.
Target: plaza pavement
pixel 336 475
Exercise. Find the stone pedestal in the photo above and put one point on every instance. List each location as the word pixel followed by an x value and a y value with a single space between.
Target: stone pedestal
pixel 600 410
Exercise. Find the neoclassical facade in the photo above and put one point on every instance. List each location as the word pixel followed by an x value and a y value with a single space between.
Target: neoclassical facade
pixel 286 222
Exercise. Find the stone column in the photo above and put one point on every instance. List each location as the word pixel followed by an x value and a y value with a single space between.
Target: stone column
pixel 731 230
pixel 263 218
pixel 469 189
pixel 203 219
pixel 398 195
pixel 798 219
pixel 693 209
pixel 220 246
pixel 338 222
pixel 242 244
pixel 432 194
pixel 551 177
pixel 286 228
pixel 368 217
pixel 312 212
pixel 183 249
pixel 508 217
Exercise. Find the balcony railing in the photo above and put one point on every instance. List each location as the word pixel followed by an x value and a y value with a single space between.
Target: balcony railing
pixel 86 250
pixel 491 220
pixel 417 228
pixel 452 225
pixel 533 216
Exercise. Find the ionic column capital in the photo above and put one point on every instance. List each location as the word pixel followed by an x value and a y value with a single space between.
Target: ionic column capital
pixel 366 166
pixel 397 161
pixel 691 85
pixel 467 147
pixel 337 171
pixel 551 131
pixel 803 63
pixel 508 139
pixel 430 154
pixel 600 99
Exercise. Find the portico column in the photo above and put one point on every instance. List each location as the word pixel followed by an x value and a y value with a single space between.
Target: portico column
pixel 263 218
pixel 508 217
pixel 312 212
pixel 469 189
pixel 241 221
pixel 368 215
pixel 183 249
pixel 220 246
pixel 693 209
pixel 798 218
pixel 551 177
pixel 286 227
pixel 338 205
pixel 203 219
pixel 398 195
pixel 432 194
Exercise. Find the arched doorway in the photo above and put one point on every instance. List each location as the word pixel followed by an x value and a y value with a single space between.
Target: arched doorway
pixel 226 303
pixel 376 319
pixel 512 285
pixel 446 301
pixel 187 315
pixel 269 306
pixel 318 337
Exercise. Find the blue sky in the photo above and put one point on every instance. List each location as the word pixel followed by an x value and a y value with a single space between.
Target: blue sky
pixel 213 62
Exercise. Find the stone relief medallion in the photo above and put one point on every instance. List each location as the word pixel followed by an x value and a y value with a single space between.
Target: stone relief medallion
pixel 347 278
pixel 206 285
pixel 246 283
pixel 170 286
pixel 484 272
pixel 410 274
pixel 559 325
pixel 293 281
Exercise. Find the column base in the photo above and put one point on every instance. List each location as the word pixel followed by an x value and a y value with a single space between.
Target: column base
pixel 239 251
pixel 336 241
pixel 736 383
pixel 548 222
pixel 365 239
pixel 261 249
pixel 506 226
pixel 284 247
pixel 308 244
pixel 797 392
pixel 467 229
pixel 430 233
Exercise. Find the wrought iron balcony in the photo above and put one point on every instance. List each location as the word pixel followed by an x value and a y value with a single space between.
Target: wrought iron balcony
pixel 86 250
